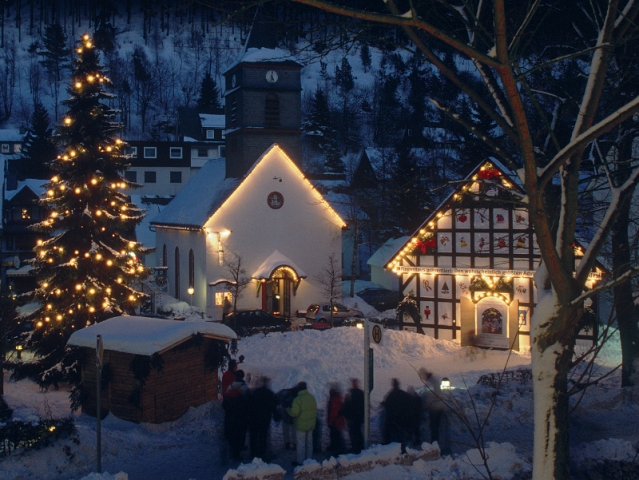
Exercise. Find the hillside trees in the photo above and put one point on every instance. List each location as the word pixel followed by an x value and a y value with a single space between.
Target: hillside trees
pixel 38 148
pixel 56 58
pixel 209 100
pixel 88 268
pixel 506 30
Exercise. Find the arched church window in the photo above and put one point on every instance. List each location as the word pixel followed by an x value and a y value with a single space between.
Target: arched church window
pixel 191 269
pixel 272 110
pixel 177 273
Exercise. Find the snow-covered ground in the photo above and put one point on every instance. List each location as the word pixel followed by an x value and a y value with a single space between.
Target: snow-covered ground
pixel 605 423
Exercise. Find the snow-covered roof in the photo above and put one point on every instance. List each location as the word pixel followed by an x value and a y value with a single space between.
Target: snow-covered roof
pixel 11 135
pixel 265 55
pixel 36 186
pixel 211 120
pixel 200 197
pixel 142 232
pixel 384 253
pixel 145 336
pixel 23 271
pixel 274 261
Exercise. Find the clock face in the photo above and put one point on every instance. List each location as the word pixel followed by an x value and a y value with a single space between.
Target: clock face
pixel 271 76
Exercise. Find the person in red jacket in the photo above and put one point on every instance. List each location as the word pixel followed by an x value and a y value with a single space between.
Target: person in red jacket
pixel 228 377
pixel 335 419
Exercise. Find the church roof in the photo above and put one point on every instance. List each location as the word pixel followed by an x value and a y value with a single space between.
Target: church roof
pixel 200 197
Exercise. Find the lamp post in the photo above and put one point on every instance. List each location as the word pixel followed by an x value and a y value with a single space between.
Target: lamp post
pixel 191 291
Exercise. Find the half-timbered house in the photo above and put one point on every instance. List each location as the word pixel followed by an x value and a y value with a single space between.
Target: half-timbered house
pixel 470 266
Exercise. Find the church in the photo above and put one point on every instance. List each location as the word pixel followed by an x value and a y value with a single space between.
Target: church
pixel 255 206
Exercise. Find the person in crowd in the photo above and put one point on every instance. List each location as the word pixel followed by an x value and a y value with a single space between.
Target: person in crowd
pixel 284 399
pixel 304 411
pixel 354 414
pixel 397 408
pixel 417 416
pixel 236 417
pixel 335 419
pixel 228 377
pixel 433 402
pixel 261 407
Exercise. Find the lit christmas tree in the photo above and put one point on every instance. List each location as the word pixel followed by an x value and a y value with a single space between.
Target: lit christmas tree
pixel 89 266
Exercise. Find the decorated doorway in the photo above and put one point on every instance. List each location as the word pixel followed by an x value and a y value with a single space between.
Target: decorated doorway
pixel 276 296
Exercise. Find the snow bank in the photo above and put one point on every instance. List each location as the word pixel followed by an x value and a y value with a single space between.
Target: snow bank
pixel 256 470
pixel 376 456
pixel 106 476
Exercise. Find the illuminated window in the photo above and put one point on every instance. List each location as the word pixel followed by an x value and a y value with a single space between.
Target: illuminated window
pixel 26 214
pixel 220 296
pixel 210 134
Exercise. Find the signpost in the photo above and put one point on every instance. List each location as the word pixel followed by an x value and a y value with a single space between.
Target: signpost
pixel 374 333
pixel 99 351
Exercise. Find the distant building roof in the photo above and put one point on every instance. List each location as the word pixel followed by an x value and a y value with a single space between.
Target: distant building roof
pixel 211 120
pixel 11 135
pixel 200 197
pixel 384 253
pixel 35 185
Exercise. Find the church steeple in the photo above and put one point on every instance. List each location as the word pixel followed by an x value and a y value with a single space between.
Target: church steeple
pixel 262 101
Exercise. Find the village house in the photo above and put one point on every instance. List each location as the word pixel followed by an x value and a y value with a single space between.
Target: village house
pixel 470 266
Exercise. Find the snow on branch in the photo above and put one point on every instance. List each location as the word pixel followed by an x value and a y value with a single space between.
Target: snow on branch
pixel 586 137
pixel 618 195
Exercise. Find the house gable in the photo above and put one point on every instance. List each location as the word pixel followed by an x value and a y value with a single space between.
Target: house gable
pixel 276 190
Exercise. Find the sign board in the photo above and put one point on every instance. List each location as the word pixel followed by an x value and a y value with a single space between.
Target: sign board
pixel 376 335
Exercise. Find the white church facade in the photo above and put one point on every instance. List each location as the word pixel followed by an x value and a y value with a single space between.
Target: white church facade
pixel 272 219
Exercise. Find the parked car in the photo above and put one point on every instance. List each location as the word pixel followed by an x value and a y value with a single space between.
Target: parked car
pixel 248 321
pixel 318 312
pixel 379 298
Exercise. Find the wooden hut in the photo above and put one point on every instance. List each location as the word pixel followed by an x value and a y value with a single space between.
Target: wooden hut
pixel 153 369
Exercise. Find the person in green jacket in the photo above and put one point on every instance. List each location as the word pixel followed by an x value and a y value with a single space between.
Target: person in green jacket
pixel 304 412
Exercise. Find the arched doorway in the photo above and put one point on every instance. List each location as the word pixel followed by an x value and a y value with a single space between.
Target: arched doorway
pixel 277 291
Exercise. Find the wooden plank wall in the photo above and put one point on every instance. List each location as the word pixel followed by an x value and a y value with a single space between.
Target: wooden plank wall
pixel 184 382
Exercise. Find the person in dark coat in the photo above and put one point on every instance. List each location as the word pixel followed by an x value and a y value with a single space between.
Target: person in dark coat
pixel 236 415
pixel 354 414
pixel 261 410
pixel 335 419
pixel 284 399
pixel 397 408
pixel 417 414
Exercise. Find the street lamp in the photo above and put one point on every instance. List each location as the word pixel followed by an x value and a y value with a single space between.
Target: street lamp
pixel 191 291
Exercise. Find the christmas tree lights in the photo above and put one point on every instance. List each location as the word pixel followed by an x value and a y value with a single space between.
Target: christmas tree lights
pixel 89 266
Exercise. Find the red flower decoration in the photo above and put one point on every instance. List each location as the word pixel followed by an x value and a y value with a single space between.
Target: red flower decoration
pixel 489 174
pixel 424 245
